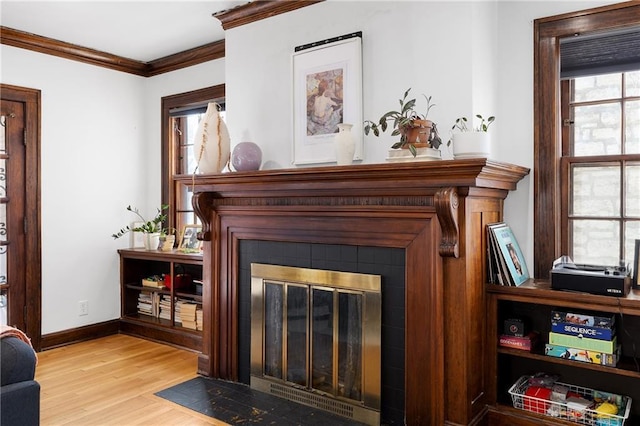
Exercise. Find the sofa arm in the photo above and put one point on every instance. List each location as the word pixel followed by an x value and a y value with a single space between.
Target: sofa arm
pixel 20 404
pixel 17 361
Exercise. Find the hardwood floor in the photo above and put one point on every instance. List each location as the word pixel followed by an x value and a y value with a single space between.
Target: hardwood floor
pixel 112 381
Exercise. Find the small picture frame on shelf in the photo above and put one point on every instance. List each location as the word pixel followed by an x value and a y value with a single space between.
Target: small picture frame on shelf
pixel 189 242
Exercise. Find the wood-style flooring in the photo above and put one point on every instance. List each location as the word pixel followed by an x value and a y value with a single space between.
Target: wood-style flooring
pixel 112 381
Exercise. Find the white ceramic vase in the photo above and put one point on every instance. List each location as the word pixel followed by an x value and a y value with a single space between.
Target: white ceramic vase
pixel 211 144
pixel 345 145
pixel 151 241
pixel 471 145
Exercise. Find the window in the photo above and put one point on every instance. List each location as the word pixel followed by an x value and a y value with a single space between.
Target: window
pixel 180 117
pixel 551 234
pixel 601 134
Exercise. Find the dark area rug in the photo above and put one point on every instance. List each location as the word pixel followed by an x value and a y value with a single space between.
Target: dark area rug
pixel 238 404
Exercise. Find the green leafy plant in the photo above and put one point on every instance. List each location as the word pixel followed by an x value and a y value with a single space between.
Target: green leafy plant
pixel 148 226
pixel 461 124
pixel 402 120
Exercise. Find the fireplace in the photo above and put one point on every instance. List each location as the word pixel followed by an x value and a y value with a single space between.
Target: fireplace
pixel 315 338
pixel 433 213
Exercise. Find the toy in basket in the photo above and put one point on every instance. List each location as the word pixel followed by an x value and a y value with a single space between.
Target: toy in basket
pixel 569 402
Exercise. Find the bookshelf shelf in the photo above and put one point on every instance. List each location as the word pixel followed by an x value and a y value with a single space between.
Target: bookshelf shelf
pixel 154 313
pixel 535 300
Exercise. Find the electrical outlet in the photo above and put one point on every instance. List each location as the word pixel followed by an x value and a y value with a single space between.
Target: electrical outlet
pixel 83 307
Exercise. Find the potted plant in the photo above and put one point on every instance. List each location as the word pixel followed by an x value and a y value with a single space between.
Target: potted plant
pixel 152 229
pixel 415 130
pixel 469 141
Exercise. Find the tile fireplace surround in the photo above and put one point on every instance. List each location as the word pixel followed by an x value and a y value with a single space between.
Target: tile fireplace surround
pixel 435 212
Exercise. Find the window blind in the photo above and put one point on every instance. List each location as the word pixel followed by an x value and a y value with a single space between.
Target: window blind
pixel 193 109
pixel 601 53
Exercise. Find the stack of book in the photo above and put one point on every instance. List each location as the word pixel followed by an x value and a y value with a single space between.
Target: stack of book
pixel 506 265
pixel 199 318
pixel 165 307
pixel 188 314
pixel 584 337
pixel 148 303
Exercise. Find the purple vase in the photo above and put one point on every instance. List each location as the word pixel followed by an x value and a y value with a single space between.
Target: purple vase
pixel 246 156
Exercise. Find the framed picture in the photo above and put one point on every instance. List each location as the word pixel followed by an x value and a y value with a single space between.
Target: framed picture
pixel 327 91
pixel 189 242
pixel 636 266
pixel 511 262
pixel 136 239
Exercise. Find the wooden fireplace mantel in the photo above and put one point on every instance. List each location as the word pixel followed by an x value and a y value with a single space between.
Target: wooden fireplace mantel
pixel 436 211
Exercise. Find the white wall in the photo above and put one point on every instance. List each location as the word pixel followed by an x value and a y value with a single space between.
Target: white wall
pixel 93 165
pixel 101 151
pixel 101 128
pixel 471 57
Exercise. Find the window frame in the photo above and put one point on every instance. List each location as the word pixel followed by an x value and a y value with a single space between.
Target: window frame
pixel 569 159
pixel 170 154
pixel 548 173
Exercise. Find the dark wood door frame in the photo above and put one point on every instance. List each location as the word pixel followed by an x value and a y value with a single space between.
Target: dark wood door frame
pixel 33 274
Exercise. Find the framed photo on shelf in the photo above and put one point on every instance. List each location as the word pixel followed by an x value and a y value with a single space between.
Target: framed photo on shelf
pixel 511 260
pixel 327 91
pixel 189 242
pixel 136 238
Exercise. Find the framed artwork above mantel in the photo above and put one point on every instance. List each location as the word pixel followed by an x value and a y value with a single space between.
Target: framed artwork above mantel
pixel 327 91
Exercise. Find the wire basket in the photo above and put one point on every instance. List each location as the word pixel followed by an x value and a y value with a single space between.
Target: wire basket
pixel 562 410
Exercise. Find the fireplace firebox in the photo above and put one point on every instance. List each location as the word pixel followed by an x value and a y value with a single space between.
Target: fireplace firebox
pixel 315 338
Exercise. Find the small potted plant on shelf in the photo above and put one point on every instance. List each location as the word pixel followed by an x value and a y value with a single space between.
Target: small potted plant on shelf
pixel 469 141
pixel 151 229
pixel 417 134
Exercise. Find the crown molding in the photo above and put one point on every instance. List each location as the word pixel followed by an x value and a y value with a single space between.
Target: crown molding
pixel 241 15
pixel 257 10
pixel 187 58
pixel 62 49
pixel 49 46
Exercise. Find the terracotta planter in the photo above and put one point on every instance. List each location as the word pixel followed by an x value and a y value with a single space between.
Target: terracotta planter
pixel 419 133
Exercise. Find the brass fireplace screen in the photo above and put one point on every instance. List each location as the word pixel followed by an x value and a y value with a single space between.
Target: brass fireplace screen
pixel 315 338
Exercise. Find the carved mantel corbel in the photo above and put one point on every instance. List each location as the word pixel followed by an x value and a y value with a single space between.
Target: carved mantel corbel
pixel 446 203
pixel 203 207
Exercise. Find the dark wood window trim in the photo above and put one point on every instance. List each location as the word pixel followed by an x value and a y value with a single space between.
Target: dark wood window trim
pixel 169 152
pixel 547 124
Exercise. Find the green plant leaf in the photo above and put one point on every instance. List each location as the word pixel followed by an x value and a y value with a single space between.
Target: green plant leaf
pixel 413 149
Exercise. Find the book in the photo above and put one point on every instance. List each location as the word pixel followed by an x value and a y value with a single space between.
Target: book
pixel 572 329
pixel 526 343
pixel 604 346
pixel 594 357
pixel 591 319
pixel 509 262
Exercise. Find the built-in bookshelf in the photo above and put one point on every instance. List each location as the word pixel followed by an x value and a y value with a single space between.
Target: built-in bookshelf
pixel 169 307
pixel 535 300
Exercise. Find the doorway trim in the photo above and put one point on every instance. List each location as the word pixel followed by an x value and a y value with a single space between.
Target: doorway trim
pixel 33 269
